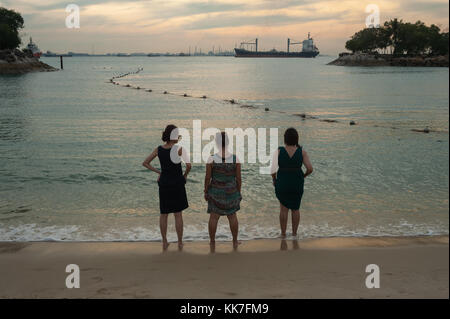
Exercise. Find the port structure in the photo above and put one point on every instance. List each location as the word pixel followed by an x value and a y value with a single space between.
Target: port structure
pixel 289 43
pixel 246 43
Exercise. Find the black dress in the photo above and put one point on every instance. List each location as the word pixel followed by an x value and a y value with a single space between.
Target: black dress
pixel 172 193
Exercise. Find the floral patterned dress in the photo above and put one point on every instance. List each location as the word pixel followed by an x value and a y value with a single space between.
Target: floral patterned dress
pixel 223 195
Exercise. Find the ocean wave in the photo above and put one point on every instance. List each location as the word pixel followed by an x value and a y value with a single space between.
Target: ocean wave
pixel 80 178
pixel 34 232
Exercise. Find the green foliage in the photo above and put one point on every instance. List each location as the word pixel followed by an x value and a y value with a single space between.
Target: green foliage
pixel 10 24
pixel 368 40
pixel 402 37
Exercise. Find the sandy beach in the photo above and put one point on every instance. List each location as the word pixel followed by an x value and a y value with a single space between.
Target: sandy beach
pixel 410 267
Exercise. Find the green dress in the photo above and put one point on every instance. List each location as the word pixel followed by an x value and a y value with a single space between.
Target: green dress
pixel 290 180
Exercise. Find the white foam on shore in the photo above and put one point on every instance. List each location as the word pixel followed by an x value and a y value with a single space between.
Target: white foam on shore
pixel 33 232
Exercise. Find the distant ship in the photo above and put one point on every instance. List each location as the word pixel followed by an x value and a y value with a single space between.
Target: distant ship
pixel 51 54
pixel 309 50
pixel 34 49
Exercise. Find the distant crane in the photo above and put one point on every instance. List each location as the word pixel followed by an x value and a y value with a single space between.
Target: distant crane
pixel 255 43
pixel 289 43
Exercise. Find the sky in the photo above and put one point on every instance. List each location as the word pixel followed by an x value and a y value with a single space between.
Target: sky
pixel 111 26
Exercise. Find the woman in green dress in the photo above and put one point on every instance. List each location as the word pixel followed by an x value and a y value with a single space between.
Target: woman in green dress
pixel 288 178
pixel 223 189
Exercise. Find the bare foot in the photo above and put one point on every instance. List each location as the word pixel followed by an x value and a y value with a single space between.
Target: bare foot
pixel 236 243
pixel 165 245
pixel 180 246
pixel 282 235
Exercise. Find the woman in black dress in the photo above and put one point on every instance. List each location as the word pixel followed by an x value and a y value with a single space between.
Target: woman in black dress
pixel 171 181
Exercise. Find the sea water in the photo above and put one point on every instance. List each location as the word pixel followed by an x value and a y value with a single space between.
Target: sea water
pixel 72 146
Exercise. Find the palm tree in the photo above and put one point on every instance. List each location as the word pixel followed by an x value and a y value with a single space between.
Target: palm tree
pixel 392 27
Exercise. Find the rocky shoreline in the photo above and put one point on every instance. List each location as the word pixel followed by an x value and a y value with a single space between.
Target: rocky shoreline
pixel 20 62
pixel 362 59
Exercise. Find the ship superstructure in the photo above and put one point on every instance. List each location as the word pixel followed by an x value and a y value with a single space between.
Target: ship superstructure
pixel 34 49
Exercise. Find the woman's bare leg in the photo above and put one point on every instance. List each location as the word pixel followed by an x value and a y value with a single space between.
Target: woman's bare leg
pixel 179 227
pixel 283 219
pixel 163 229
pixel 295 221
pixel 234 227
pixel 212 227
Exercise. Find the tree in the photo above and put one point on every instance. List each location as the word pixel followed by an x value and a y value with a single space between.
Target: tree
pixel 10 24
pixel 363 41
pixel 392 28
pixel 440 45
pixel 413 38
pixel 404 37
pixel 383 38
pixel 438 42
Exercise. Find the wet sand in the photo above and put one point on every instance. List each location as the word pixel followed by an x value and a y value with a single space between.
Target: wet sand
pixel 410 267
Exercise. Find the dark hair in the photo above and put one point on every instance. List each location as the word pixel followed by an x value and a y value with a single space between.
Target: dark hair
pixel 291 137
pixel 224 139
pixel 166 134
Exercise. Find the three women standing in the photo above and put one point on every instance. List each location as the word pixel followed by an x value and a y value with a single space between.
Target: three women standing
pixel 223 183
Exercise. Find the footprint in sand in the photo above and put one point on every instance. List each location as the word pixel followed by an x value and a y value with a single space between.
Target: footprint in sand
pixel 97 279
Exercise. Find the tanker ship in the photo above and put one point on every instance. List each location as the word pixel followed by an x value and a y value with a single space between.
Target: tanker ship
pixel 309 50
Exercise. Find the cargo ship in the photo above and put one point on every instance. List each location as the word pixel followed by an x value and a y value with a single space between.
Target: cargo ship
pixel 309 50
pixel 50 54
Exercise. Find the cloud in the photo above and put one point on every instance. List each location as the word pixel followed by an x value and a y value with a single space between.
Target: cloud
pixel 172 24
pixel 435 8
pixel 238 20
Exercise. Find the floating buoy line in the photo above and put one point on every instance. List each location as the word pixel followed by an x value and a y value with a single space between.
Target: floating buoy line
pixel 303 116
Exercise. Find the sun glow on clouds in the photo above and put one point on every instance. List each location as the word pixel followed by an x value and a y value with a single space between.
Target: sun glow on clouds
pixel 173 25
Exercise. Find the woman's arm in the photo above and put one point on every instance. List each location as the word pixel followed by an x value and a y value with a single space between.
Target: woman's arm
pixel 185 157
pixel 149 159
pixel 274 166
pixel 307 163
pixel 274 178
pixel 238 176
pixel 207 179
pixel 188 169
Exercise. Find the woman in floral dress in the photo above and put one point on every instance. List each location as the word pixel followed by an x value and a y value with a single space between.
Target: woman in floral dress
pixel 223 189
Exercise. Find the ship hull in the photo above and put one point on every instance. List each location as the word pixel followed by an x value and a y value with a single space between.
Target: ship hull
pixel 241 53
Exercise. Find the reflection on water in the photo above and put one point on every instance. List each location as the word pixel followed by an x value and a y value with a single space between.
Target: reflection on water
pixel 284 244
pixel 72 146
pixel 14 120
pixel 12 130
